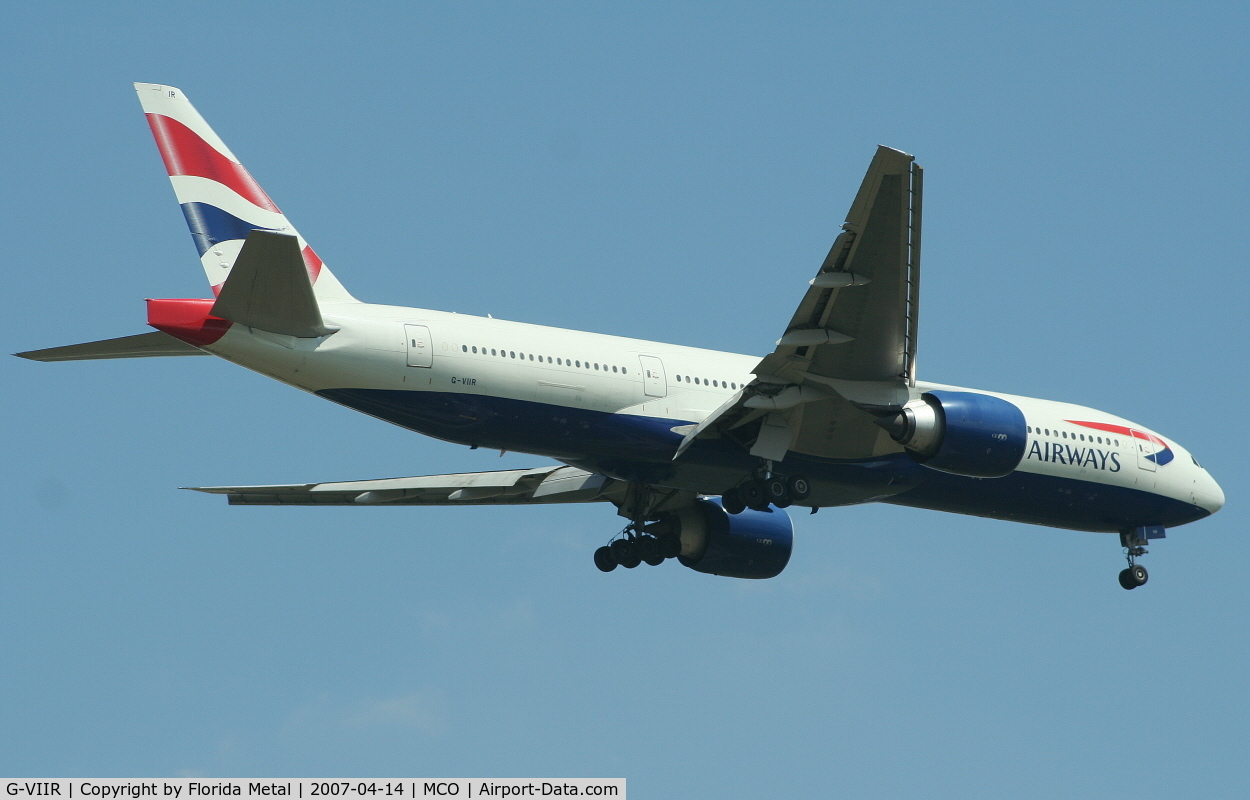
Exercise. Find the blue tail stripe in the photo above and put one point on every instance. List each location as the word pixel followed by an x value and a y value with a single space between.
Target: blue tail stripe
pixel 210 225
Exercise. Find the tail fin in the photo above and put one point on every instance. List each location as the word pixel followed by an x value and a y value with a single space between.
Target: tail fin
pixel 219 198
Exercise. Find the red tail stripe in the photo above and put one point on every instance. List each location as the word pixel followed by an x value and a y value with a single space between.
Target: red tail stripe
pixel 185 153
pixel 312 262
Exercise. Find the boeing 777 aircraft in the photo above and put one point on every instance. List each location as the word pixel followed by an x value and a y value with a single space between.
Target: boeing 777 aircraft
pixel 700 451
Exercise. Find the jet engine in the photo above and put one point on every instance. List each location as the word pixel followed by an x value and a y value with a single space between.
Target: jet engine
pixel 753 544
pixel 964 433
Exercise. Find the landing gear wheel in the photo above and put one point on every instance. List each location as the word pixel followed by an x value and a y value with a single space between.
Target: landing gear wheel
pixel 670 545
pixel 1134 576
pixel 777 493
pixel 799 488
pixel 604 560
pixel 732 502
pixel 632 557
pixel 620 550
pixel 655 560
pixel 753 494
pixel 648 548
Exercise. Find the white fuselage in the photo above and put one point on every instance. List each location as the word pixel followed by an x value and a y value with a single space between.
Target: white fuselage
pixel 403 350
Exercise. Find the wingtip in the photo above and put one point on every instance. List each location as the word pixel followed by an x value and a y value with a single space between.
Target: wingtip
pixel 895 150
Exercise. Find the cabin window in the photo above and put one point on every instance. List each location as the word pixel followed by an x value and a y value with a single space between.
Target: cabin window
pixel 596 366
pixel 623 370
pixel 492 351
pixel 614 369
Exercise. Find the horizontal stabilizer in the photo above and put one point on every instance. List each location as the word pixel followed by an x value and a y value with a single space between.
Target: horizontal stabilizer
pixel 145 345
pixel 269 289
pixel 506 487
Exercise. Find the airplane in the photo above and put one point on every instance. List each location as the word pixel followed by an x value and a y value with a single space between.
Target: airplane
pixel 700 451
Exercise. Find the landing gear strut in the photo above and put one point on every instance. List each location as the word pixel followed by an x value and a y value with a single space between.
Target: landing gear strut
pixel 1134 544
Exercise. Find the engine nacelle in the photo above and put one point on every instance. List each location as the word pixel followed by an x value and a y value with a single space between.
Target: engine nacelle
pixel 964 433
pixel 753 544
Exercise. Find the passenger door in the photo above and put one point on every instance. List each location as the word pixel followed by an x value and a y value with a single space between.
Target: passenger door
pixel 653 382
pixel 1145 447
pixel 420 349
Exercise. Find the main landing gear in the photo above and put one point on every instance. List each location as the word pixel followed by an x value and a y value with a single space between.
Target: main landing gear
pixel 634 546
pixel 1134 544
pixel 760 492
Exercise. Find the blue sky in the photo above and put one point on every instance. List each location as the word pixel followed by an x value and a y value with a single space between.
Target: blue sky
pixel 665 171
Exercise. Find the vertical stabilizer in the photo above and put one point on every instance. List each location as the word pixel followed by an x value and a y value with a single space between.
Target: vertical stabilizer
pixel 220 200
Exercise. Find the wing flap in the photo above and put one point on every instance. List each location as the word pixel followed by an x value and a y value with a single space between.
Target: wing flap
pixel 559 484
pixel 144 345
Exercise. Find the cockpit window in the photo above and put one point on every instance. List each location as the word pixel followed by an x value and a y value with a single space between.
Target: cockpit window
pixel 1196 464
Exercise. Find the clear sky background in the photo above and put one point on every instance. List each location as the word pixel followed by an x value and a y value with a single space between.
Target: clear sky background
pixel 671 171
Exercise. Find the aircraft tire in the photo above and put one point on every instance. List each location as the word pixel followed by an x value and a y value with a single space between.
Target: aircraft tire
pixel 754 496
pixel 777 492
pixel 604 560
pixel 631 557
pixel 1138 574
pixel 732 502
pixel 800 488
pixel 648 547
pixel 620 550
pixel 1126 580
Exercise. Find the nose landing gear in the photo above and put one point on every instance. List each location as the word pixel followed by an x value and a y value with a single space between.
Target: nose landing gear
pixel 1134 543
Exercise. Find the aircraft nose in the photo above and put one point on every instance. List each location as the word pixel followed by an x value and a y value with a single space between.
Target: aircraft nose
pixel 1209 494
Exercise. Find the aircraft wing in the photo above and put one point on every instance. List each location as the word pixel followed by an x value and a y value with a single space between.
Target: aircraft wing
pixel 144 345
pixel 850 348
pixel 556 484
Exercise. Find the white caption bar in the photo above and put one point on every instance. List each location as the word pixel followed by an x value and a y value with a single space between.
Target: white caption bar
pixel 299 788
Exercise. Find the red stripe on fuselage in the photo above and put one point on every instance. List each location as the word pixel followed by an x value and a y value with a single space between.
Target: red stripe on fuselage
pixel 1120 429
pixel 185 153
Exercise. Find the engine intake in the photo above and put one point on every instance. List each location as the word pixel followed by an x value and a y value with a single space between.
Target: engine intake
pixel 963 433
pixel 753 544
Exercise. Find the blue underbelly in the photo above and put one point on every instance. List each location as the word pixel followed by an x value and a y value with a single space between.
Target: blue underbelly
pixel 638 448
